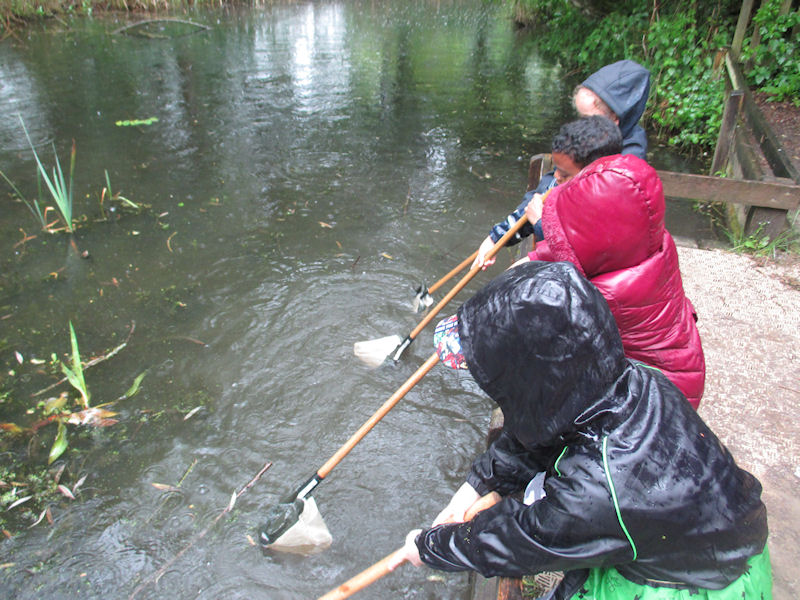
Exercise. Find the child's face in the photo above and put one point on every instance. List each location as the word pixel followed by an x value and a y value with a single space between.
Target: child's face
pixel 588 104
pixel 566 168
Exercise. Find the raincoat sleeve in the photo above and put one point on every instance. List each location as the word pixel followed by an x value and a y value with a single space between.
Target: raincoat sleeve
pixel 501 228
pixel 576 530
pixel 505 467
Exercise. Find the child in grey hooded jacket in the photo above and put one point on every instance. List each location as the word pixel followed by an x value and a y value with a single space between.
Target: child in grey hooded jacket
pixel 617 91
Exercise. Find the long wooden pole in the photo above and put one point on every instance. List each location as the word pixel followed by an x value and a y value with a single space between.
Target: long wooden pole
pixel 457 269
pixel 377 416
pixel 395 354
pixel 366 577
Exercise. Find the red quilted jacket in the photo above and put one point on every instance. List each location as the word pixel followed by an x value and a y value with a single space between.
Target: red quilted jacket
pixel 609 222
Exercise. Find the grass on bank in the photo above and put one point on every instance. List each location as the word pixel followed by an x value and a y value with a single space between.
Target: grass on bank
pixel 17 12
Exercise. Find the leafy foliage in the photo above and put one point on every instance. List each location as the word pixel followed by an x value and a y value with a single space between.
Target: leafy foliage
pixel 680 43
pixel 760 243
pixel 688 97
pixel 775 63
pixel 619 36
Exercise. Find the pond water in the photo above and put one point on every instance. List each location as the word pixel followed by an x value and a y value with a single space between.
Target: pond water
pixel 310 165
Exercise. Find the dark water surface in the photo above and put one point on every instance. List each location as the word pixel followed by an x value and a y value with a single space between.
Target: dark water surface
pixel 310 165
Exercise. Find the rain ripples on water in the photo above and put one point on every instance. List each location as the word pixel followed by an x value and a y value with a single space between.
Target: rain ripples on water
pixel 309 167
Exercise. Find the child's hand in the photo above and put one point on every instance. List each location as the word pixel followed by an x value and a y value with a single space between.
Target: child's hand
pixel 409 553
pixel 481 260
pixel 458 505
pixel 482 504
pixel 534 209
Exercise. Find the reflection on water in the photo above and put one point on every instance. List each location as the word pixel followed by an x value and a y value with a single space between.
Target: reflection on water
pixel 310 166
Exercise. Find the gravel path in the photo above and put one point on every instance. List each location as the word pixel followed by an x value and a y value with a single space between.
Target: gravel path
pixel 749 321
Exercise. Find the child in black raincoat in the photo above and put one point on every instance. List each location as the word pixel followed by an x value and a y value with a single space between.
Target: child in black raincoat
pixel 639 499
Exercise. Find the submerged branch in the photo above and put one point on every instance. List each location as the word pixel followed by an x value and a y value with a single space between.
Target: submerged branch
pixel 91 363
pixel 154 577
pixel 125 28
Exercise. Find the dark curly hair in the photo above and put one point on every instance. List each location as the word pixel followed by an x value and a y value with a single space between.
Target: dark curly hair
pixel 588 139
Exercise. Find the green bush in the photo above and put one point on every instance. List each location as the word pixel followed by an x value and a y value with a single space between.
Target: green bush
pixel 776 59
pixel 618 36
pixel 688 93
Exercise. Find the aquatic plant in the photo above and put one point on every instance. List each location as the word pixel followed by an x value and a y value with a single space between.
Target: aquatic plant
pixel 136 122
pixel 75 373
pixel 118 196
pixel 57 410
pixel 33 207
pixel 60 191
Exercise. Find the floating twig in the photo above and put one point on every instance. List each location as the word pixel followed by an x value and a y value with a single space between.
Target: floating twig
pixel 153 578
pixel 189 470
pixel 124 29
pixel 188 339
pixel 91 363
pixel 169 488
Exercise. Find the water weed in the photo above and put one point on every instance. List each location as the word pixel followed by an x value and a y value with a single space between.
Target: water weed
pixel 136 122
pixel 75 372
pixel 107 193
pixel 60 190
pixel 61 409
pixel 34 207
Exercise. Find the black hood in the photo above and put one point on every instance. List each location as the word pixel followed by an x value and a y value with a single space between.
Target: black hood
pixel 624 86
pixel 540 340
pixel 633 477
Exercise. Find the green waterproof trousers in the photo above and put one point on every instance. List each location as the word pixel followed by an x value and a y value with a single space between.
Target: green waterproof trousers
pixel 608 584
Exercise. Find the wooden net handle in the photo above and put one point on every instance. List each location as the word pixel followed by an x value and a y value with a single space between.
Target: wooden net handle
pixel 467 261
pixel 366 577
pixel 468 277
pixel 379 414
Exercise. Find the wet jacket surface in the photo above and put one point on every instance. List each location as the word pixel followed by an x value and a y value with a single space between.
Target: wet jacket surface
pixel 634 477
pixel 609 221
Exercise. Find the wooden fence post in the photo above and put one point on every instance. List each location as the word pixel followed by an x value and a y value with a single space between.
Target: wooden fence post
pixel 733 106
pixel 741 28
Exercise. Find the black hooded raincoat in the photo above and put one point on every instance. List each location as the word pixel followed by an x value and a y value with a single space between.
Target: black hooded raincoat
pixel 634 477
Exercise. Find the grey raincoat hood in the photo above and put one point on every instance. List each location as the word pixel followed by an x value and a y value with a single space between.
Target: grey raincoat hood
pixel 624 86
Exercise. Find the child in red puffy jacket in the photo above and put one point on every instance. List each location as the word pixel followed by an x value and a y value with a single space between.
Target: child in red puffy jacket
pixel 609 222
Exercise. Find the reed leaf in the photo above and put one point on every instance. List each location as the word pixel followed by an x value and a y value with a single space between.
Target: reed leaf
pixel 119 197
pixel 59 444
pixel 59 190
pixel 134 389
pixel 75 373
pixel 34 207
